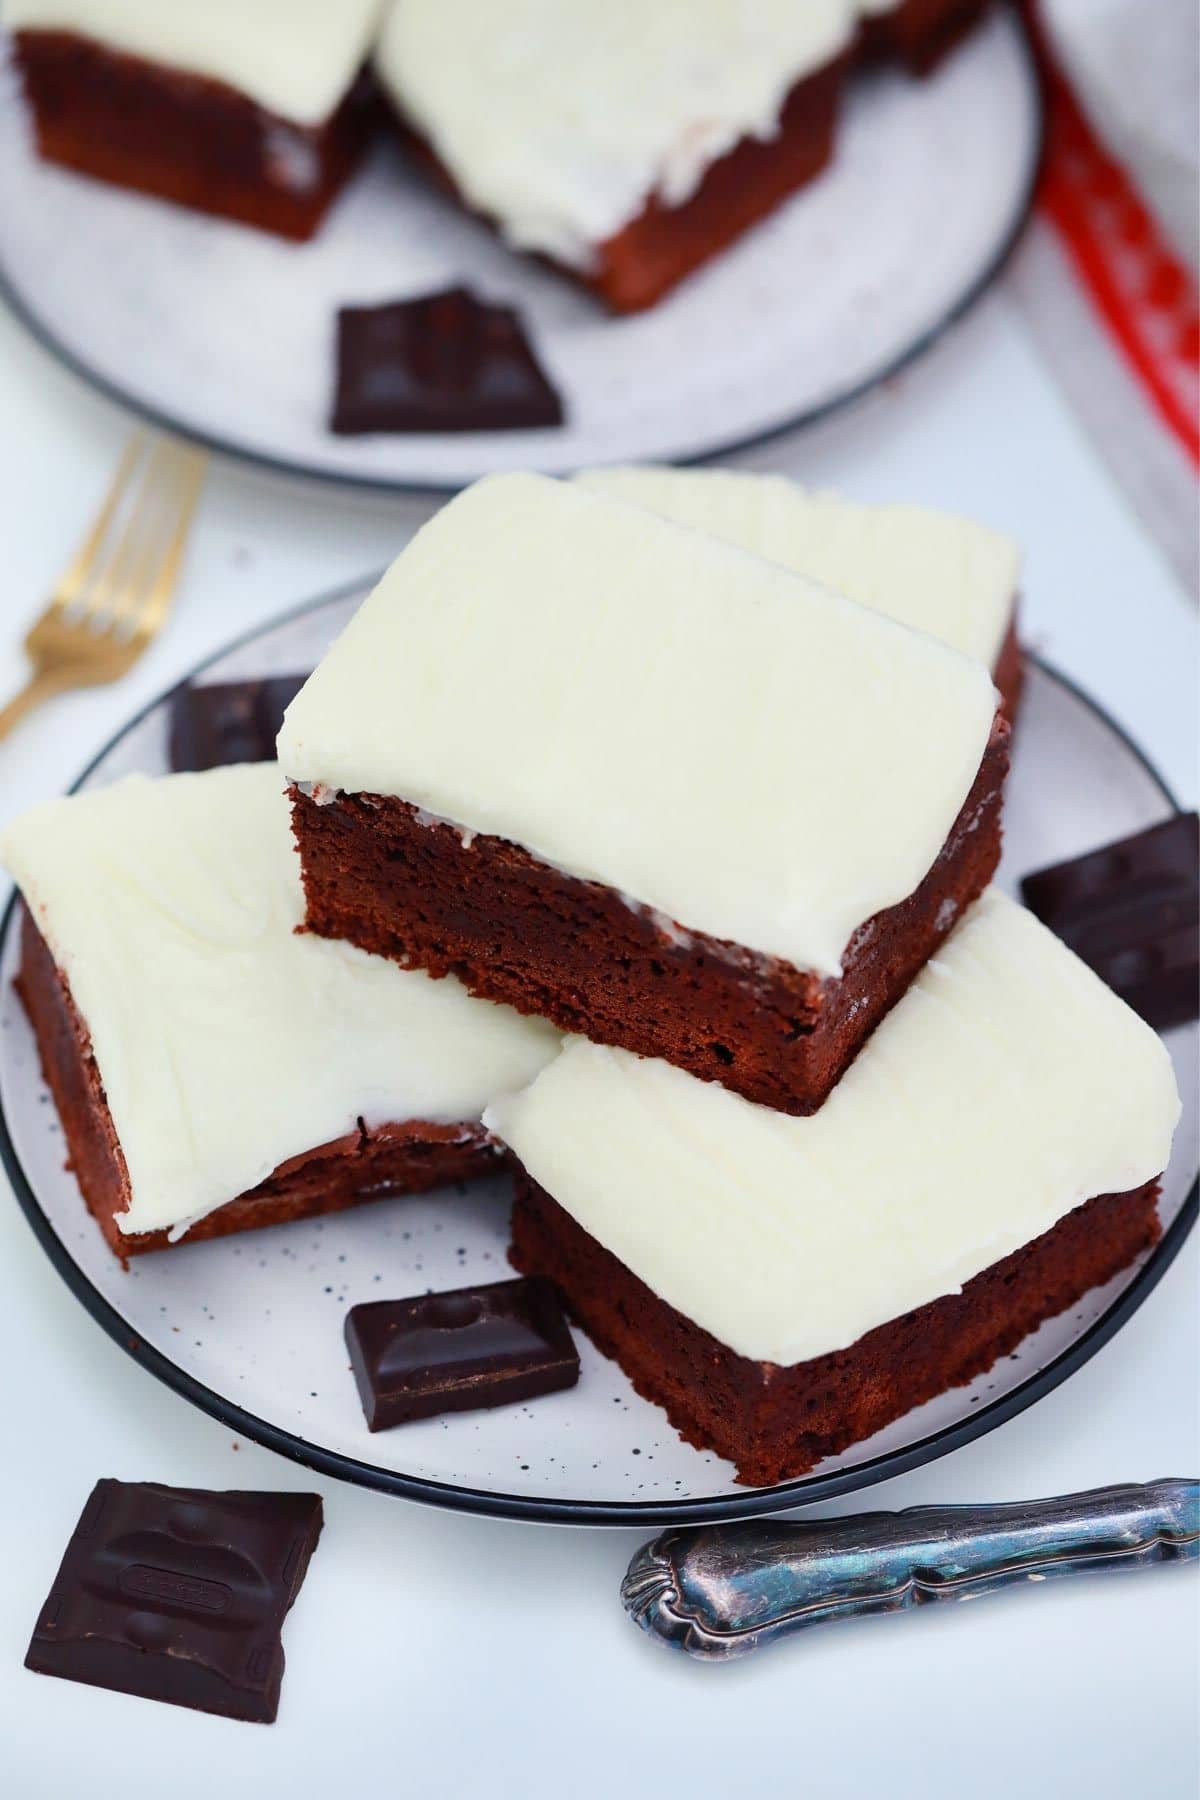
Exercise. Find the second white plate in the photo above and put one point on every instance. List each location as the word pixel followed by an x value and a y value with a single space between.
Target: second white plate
pixel 227 335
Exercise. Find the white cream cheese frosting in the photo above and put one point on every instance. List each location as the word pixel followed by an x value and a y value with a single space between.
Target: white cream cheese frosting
pixel 561 119
pixel 1007 1087
pixel 941 574
pixel 225 1041
pixel 296 58
pixel 640 704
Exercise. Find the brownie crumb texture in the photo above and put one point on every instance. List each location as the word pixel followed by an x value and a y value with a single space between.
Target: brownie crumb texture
pixel 776 1423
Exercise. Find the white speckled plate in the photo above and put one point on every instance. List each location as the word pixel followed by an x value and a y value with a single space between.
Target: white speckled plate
pixel 226 334
pixel 250 1327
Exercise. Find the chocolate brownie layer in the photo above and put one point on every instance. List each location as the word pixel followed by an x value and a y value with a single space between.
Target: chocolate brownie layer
pixel 1009 673
pixel 511 928
pixel 921 32
pixel 664 243
pixel 186 138
pixel 404 1158
pixel 654 251
pixel 776 1423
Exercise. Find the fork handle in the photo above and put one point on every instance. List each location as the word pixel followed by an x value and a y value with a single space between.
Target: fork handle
pixel 42 685
pixel 718 1591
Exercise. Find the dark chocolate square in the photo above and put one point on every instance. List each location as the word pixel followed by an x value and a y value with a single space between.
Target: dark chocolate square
pixel 229 722
pixel 438 1353
pixel 445 362
pixel 1132 912
pixel 179 1594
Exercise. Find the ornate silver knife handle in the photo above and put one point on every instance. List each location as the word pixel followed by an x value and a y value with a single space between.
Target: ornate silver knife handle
pixel 722 1590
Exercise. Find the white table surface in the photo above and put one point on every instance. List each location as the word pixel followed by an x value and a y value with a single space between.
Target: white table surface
pixel 431 1654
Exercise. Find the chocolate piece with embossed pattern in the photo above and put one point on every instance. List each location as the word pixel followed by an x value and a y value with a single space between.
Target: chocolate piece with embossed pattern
pixel 439 1353
pixel 179 1594
pixel 229 721
pixel 1132 912
pixel 443 362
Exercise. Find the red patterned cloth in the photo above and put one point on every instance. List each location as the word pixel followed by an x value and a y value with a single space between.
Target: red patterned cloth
pixel 1140 287
pixel 1128 352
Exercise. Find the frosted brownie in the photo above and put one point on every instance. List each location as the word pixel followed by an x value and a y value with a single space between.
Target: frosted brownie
pixel 631 144
pixel 619 773
pixel 787 1287
pixel 213 1068
pixel 257 112
pixel 944 575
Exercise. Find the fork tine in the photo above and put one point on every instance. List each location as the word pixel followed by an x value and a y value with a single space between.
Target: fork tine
pixel 77 572
pixel 124 545
pixel 156 538
pixel 156 602
pixel 115 592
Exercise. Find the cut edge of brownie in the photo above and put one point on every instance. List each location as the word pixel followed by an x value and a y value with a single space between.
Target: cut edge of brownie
pixel 777 1423
pixel 187 138
pixel 408 1157
pixel 663 244
pixel 1009 670
pixel 385 876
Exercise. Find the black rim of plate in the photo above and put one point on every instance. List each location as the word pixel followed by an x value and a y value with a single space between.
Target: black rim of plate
pixel 993 265
pixel 806 1490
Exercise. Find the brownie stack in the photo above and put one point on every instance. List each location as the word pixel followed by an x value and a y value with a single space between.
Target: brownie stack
pixel 707 773
pixel 837 1124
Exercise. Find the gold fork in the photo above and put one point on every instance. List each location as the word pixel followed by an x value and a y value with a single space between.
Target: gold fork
pixel 114 595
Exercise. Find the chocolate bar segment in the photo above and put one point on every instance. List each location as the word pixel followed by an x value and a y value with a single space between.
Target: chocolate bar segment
pixel 229 722
pixel 474 1347
pixel 1132 912
pixel 179 1594
pixel 445 362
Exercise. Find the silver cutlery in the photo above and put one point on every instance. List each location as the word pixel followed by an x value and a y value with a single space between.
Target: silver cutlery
pixel 717 1591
